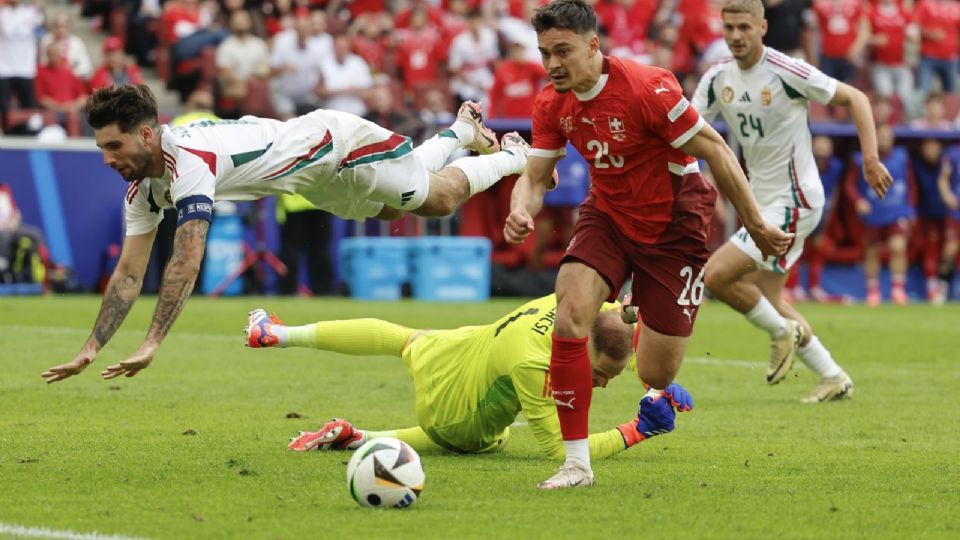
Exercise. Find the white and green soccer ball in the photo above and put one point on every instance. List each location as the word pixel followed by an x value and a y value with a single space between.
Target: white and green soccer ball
pixel 385 473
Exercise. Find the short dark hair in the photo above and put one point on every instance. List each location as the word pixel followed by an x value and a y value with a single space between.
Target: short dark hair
pixel 611 336
pixel 128 106
pixel 575 15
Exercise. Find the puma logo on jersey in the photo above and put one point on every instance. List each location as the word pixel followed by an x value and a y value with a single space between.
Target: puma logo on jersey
pixel 406 196
pixel 661 89
pixel 689 314
pixel 587 121
pixel 568 404
pixel 745 98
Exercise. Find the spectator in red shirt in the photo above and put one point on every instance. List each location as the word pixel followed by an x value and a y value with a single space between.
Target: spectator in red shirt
pixel 844 31
pixel 58 89
pixel 420 51
pixel 516 82
pixel 116 68
pixel 890 27
pixel 939 22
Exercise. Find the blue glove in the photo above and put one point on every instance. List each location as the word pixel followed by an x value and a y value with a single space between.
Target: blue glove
pixel 655 415
pixel 679 397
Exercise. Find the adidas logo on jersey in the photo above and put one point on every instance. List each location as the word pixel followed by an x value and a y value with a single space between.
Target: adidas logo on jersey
pixel 406 196
pixel 745 98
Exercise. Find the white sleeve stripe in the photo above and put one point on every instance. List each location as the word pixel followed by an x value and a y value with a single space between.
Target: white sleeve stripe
pixel 681 170
pixel 544 153
pixel 688 134
pixel 678 109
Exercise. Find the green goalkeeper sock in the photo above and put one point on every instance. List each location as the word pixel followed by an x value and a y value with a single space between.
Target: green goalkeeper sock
pixel 415 437
pixel 357 337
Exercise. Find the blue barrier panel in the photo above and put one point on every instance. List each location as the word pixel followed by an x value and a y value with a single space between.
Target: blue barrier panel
pixel 450 269
pixel 67 191
pixel 374 268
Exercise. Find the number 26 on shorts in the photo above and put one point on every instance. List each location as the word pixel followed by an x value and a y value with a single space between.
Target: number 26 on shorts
pixel 692 292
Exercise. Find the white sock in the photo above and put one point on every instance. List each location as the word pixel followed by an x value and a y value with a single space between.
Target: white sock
pixel 485 171
pixel 818 358
pixel 283 333
pixel 765 316
pixel 578 452
pixel 435 151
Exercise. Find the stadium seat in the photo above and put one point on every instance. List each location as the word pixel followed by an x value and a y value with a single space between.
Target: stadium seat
pixel 19 117
pixel 951 106
pixel 420 91
pixel 257 101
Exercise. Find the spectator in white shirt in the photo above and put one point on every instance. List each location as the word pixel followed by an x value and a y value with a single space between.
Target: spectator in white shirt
pixel 295 65
pixel 71 47
pixel 241 56
pixel 345 79
pixel 19 21
pixel 472 54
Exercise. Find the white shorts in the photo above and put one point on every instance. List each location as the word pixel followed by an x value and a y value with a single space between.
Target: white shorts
pixel 375 167
pixel 799 221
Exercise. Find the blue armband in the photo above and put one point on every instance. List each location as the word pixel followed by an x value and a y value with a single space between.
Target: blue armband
pixel 194 207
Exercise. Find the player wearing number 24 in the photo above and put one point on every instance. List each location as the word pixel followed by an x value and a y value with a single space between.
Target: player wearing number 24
pixel 763 96
pixel 647 213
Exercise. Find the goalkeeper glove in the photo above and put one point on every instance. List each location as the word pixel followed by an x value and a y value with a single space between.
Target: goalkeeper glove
pixel 656 414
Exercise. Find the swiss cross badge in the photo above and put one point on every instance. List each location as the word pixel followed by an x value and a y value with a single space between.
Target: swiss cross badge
pixel 616 125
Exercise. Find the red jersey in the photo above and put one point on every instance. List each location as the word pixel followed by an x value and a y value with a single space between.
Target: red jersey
pixel 944 16
pixel 629 128
pixel 59 84
pixel 515 86
pixel 103 77
pixel 890 21
pixel 420 54
pixel 839 22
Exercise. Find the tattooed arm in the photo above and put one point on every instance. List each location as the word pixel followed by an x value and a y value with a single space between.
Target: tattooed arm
pixel 122 291
pixel 178 281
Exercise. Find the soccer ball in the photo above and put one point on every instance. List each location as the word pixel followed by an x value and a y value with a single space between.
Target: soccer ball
pixel 385 473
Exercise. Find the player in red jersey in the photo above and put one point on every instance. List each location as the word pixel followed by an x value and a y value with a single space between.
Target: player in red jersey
pixel 647 213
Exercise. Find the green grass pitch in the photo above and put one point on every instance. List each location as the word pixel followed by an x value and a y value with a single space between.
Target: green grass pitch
pixel 195 446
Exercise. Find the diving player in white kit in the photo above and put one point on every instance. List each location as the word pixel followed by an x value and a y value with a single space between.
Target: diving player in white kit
pixel 341 163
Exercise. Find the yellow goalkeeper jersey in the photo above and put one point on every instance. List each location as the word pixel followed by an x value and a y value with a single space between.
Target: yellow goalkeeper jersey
pixel 472 382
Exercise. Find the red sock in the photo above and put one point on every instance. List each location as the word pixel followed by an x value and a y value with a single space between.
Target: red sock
pixel 571 381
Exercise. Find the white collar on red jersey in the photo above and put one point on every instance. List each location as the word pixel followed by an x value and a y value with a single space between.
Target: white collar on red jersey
pixel 597 88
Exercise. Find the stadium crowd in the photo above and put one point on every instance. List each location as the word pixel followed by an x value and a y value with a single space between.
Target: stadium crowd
pixel 407 64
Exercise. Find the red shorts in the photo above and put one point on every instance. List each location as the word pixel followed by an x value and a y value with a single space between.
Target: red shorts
pixel 667 278
pixel 881 234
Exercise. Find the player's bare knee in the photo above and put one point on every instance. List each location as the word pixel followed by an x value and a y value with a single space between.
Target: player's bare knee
pixel 439 203
pixel 714 279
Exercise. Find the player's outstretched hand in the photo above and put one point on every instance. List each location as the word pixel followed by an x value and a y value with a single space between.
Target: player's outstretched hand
pixel 878 177
pixel 71 368
pixel 131 366
pixel 519 225
pixel 771 240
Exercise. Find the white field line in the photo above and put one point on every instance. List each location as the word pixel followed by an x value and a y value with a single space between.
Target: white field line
pixel 19 531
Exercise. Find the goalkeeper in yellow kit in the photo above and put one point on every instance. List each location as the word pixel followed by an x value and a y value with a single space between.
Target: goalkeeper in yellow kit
pixel 471 382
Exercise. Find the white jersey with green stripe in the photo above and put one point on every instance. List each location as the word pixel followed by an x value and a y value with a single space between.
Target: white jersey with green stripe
pixel 250 158
pixel 766 108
